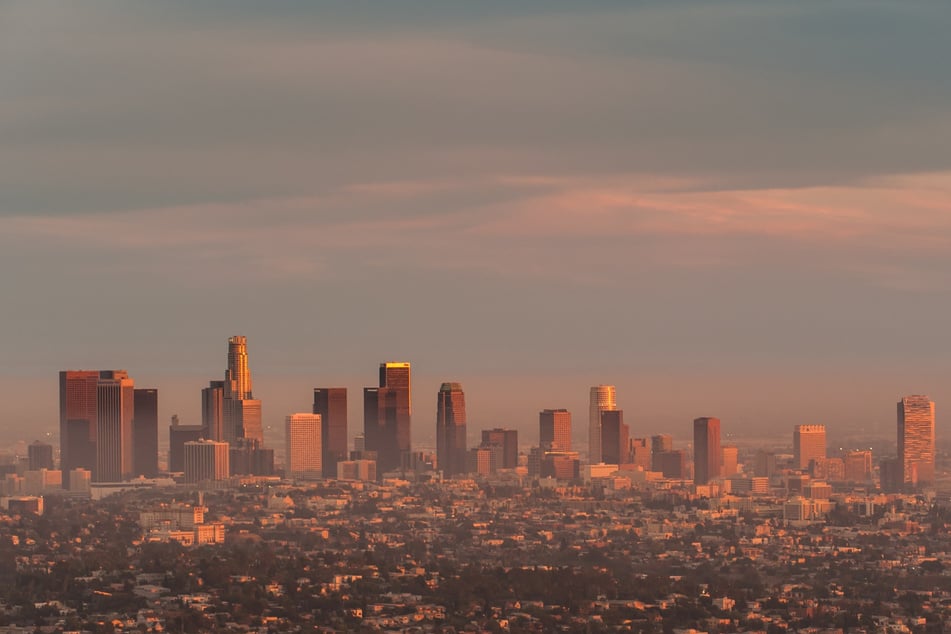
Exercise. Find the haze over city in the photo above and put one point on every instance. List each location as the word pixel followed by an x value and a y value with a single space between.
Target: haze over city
pixel 732 209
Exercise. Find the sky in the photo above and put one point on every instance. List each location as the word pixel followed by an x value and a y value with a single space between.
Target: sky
pixel 733 208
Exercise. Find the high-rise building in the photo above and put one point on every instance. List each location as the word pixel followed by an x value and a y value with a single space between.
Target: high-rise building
pixel 661 443
pixel 331 404
pixel 639 453
pixel 507 439
pixel 615 437
pixel 145 433
pixel 809 443
pixel 858 465
pixel 242 412
pixel 302 433
pixel 386 416
pixel 706 449
pixel 764 465
pixel 178 435
pixel 451 429
pixel 40 456
pixel 213 410
pixel 729 460
pixel 603 398
pixel 78 420
pixel 916 440
pixel 206 460
pixel 554 429
pixel 115 409
pixel 673 464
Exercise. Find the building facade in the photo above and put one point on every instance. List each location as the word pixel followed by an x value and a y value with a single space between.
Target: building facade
pixel 115 403
pixel 916 440
pixel 809 443
pixel 206 460
pixel 331 404
pixel 706 449
pixel 387 415
pixel 145 433
pixel 602 398
pixel 554 429
pixel 451 429
pixel 304 451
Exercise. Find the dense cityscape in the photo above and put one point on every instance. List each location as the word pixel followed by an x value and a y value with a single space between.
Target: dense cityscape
pixel 363 532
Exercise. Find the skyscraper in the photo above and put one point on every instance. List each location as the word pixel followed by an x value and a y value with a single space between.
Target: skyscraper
pixel 302 433
pixel 809 443
pixel 916 440
pixel 729 459
pixel 386 416
pixel 615 437
pixel 706 449
pixel 77 420
pixel 145 433
pixel 178 435
pixel 212 410
pixel 661 443
pixel 242 412
pixel 40 456
pixel 115 405
pixel 507 439
pixel 451 429
pixel 554 429
pixel 331 404
pixel 603 398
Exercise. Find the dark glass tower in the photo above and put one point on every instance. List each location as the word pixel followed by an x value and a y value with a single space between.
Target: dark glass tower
pixel 451 429
pixel 145 433
pixel 331 404
pixel 386 416
pixel 706 449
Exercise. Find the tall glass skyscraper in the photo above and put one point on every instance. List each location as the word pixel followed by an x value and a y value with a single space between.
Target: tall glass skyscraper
pixel 603 398
pixel 331 404
pixel 386 415
pixel 916 440
pixel 706 449
pixel 554 429
pixel 242 412
pixel 451 429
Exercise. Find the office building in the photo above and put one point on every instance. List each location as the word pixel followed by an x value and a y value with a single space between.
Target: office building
pixel 764 465
pixel 615 437
pixel 78 420
pixel 639 453
pixel 858 466
pixel 706 449
pixel 809 443
pixel 206 460
pixel 304 453
pixel 729 460
pixel 483 460
pixel 451 429
pixel 507 439
pixel 331 404
pixel 178 435
pixel 40 456
pixel 673 464
pixel 554 429
pixel 356 470
pixel 916 440
pixel 386 416
pixel 248 457
pixel 115 409
pixel 661 443
pixel 602 398
pixel 213 410
pixel 241 411
pixel 145 433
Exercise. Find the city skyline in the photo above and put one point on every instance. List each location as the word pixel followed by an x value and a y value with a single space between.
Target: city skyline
pixel 578 199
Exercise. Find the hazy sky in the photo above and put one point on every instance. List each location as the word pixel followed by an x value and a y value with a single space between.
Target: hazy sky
pixel 732 208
